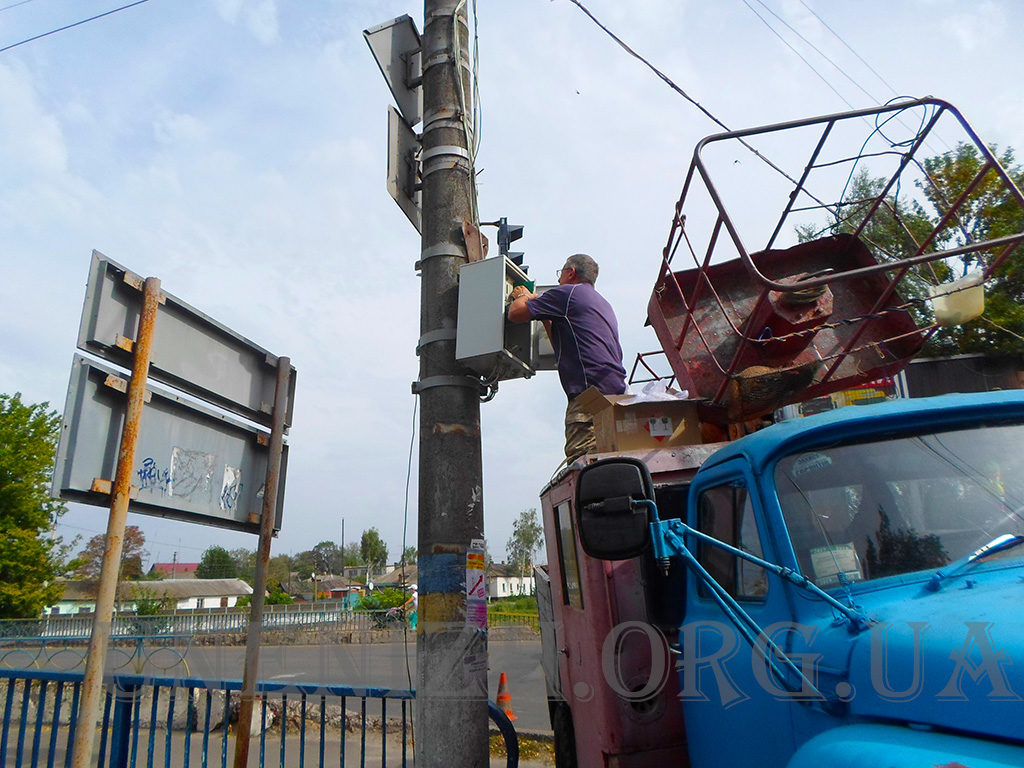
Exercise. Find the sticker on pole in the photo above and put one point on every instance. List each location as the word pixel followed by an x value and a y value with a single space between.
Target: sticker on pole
pixel 476 585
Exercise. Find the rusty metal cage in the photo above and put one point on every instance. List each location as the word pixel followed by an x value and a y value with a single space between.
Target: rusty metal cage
pixel 878 226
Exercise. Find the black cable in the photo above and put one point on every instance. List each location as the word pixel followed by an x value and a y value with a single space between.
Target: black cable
pixel 849 48
pixel 650 66
pixel 873 99
pixel 794 50
pixel 69 26
pixel 14 5
pixel 685 95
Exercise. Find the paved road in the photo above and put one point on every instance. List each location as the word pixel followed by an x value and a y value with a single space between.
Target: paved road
pixel 383 664
pixel 358 665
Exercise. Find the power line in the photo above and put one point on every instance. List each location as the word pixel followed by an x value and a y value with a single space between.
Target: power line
pixel 668 81
pixel 14 5
pixel 817 50
pixel 794 50
pixel 850 48
pixel 70 26
pixel 646 63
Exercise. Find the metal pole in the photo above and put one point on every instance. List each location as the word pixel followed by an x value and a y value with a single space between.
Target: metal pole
pixel 259 587
pixel 451 642
pixel 92 683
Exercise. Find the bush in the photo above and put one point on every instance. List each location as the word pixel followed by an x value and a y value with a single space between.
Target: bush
pixel 382 599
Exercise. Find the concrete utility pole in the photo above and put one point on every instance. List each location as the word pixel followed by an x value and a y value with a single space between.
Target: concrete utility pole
pixel 451 641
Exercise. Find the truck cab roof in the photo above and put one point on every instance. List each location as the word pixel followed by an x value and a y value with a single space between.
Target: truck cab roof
pixel 853 422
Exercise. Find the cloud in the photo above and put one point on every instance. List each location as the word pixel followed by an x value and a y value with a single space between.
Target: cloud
pixel 31 140
pixel 259 17
pixel 173 128
pixel 975 29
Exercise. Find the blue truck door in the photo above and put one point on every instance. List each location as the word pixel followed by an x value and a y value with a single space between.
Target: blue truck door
pixel 729 700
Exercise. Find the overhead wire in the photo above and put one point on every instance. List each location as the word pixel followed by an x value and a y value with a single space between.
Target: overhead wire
pixel 860 58
pixel 874 99
pixel 668 81
pixel 14 5
pixel 892 89
pixel 71 26
pixel 800 55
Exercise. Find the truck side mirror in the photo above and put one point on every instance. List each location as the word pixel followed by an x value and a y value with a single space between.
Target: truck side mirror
pixel 610 527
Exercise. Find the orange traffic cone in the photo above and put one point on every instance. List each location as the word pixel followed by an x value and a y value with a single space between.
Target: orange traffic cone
pixel 504 700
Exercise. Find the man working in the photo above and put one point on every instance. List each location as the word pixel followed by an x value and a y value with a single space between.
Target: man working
pixel 585 336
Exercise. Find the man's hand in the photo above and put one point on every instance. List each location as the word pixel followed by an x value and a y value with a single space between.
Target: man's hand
pixel 519 291
pixel 517 311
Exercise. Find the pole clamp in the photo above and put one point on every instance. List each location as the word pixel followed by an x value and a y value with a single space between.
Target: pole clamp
pixel 431 337
pixel 444 381
pixel 443 158
pixel 446 248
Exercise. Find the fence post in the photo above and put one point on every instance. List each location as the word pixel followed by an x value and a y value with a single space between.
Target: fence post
pixel 121 727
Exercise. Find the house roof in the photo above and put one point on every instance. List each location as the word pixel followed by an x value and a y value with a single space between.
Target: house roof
pixel 394 578
pixel 508 571
pixel 178 589
pixel 175 569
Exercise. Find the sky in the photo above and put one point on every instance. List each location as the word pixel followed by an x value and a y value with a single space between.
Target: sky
pixel 236 149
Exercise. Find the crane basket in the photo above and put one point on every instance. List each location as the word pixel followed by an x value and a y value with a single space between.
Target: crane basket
pixel 875 249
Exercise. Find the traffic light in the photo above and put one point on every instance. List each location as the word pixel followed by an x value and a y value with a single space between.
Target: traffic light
pixel 508 234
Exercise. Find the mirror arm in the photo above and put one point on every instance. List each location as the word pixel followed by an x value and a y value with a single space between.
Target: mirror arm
pixel 673 531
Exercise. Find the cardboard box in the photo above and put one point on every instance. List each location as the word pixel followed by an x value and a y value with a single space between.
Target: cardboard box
pixel 625 426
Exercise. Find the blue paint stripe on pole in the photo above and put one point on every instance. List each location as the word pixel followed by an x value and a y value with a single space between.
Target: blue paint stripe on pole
pixel 445 572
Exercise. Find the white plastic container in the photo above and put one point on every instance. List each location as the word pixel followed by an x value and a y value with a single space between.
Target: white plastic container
pixel 959 301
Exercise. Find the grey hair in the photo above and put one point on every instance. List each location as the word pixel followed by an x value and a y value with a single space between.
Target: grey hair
pixel 585 267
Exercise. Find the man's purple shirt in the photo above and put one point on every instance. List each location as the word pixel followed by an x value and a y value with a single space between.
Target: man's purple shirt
pixel 585 335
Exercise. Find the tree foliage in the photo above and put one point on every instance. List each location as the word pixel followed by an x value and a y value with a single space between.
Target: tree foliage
pixel 373 550
pixel 527 537
pixel 89 562
pixel 988 212
pixel 216 563
pixel 353 555
pixel 245 563
pixel 325 558
pixel 30 553
pixel 409 555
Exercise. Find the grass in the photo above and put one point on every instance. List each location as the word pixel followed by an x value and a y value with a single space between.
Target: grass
pixel 520 604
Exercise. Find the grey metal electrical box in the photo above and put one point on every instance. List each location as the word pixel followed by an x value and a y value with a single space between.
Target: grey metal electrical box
pixel 486 342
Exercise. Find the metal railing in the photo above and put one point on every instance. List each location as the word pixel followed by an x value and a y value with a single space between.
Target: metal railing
pixel 151 721
pixel 502 619
pixel 199 621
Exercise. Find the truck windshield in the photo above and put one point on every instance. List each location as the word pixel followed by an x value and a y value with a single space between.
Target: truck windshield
pixel 863 511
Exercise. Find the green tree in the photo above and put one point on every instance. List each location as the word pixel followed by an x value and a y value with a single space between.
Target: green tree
pixel 373 550
pixel 89 562
pixel 279 571
pixel 353 556
pixel 245 563
pixel 216 563
pixel 327 558
pixel 409 555
pixel 527 536
pixel 31 554
pixel 989 211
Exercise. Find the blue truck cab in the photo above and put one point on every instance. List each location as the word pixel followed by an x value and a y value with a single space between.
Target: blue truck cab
pixel 846 589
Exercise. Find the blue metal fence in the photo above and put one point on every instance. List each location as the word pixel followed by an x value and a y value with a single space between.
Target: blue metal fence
pixel 299 725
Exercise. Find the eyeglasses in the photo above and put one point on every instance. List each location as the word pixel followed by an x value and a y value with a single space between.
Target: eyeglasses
pixel 558 272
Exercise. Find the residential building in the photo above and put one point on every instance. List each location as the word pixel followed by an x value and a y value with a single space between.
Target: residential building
pixel 181 594
pixel 504 580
